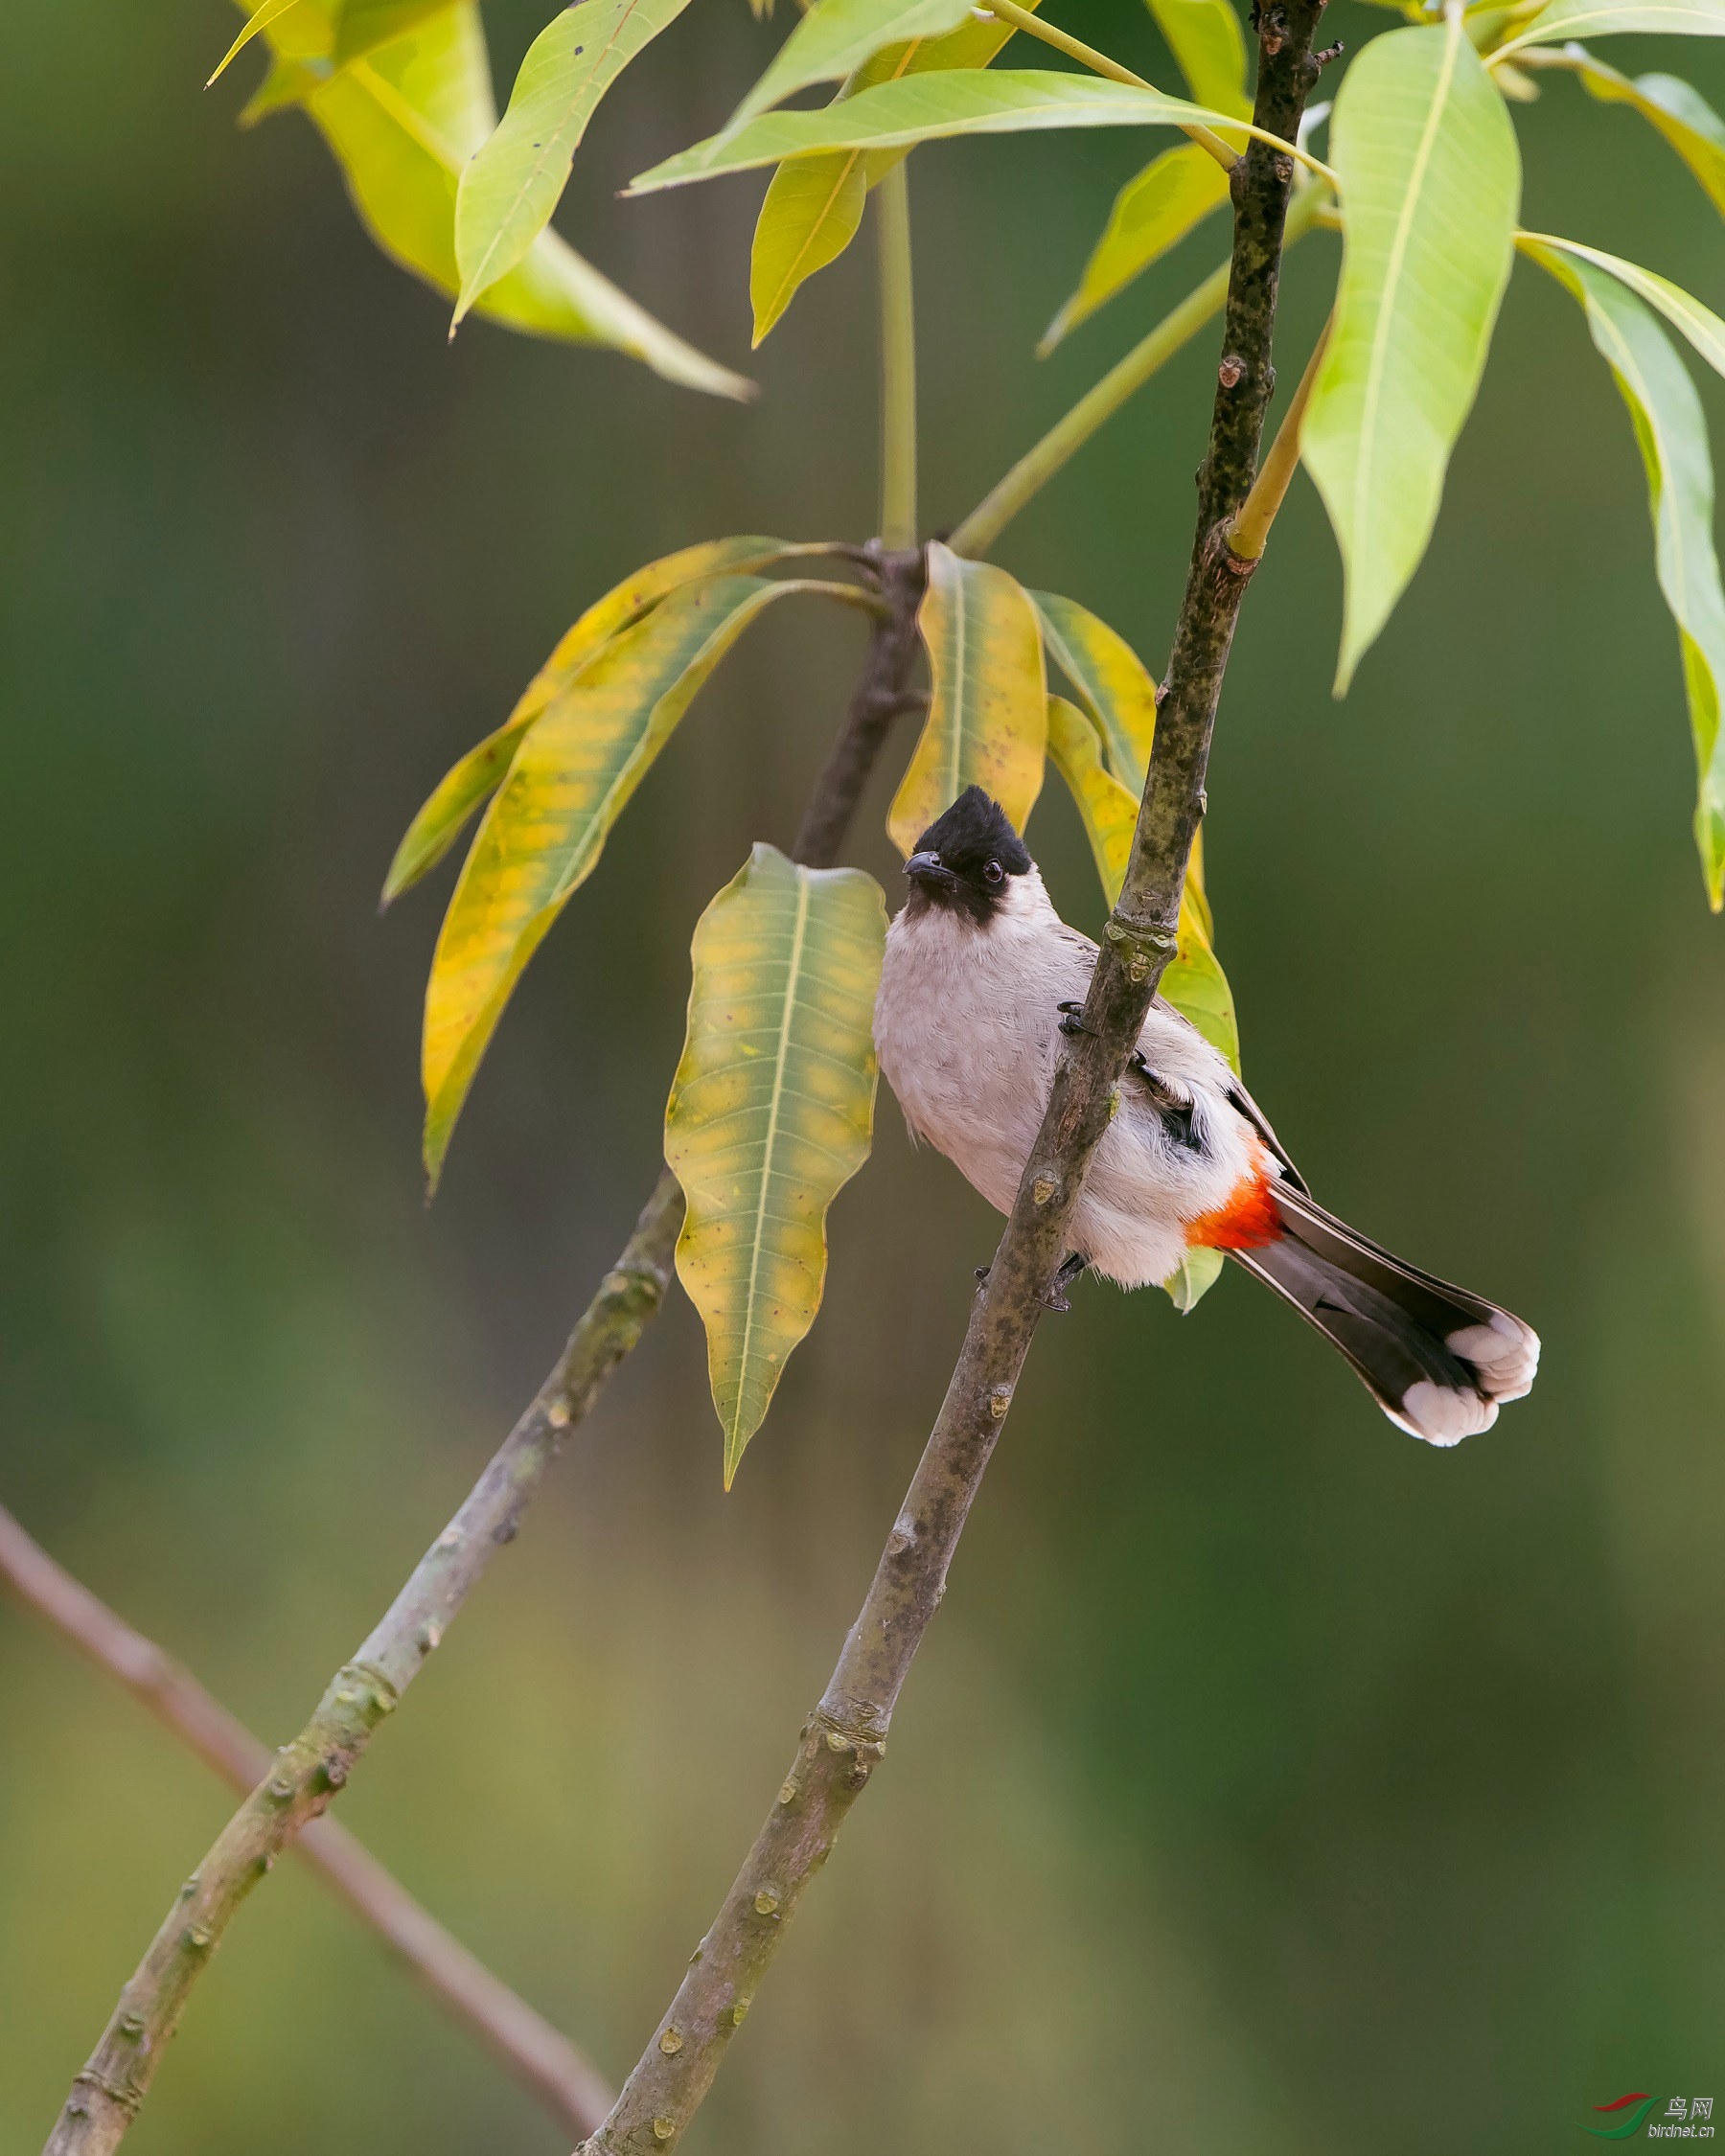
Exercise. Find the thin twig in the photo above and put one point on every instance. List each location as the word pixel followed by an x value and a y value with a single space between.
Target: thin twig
pixel 845 1738
pixel 540 2058
pixel 1123 381
pixel 898 361
pixel 306 1774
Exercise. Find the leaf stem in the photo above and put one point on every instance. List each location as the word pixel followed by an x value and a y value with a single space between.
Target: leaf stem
pixel 306 1775
pixel 1033 470
pixel 540 2058
pixel 1250 530
pixel 844 1739
pixel 1099 64
pixel 898 361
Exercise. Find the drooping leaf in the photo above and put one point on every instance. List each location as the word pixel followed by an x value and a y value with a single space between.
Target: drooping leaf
pixel 1679 111
pixel 1672 433
pixel 262 18
pixel 1205 37
pixel 1193 1278
pixel 510 188
pixel 1611 18
pixel 1153 212
pixel 814 205
pixel 809 216
pixel 401 121
pixel 987 723
pixel 1702 327
pixel 572 776
pixel 771 1112
pixel 460 791
pixel 1195 982
pixel 362 24
pixel 1431 178
pixel 1111 679
pixel 836 36
pixel 926 108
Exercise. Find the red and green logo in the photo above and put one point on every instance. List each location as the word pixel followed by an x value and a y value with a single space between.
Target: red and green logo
pixel 1636 2106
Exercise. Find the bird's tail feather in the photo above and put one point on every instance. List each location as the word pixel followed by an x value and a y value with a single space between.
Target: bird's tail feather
pixel 1437 1359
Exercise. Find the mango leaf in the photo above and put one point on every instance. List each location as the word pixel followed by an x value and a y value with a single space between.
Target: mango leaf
pixel 362 24
pixel 771 1112
pixel 262 18
pixel 836 36
pixel 1611 18
pixel 927 108
pixel 1679 111
pixel 1111 679
pixel 510 188
pixel 1671 432
pixel 987 723
pixel 814 205
pixel 402 122
pixel 1152 213
pixel 459 792
pixel 1702 327
pixel 1205 37
pixel 572 776
pixel 1431 178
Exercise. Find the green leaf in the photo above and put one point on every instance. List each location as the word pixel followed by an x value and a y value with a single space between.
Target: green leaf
pixel 402 122
pixel 925 108
pixel 516 180
pixel 1431 178
pixel 1196 1275
pixel 362 24
pixel 572 776
pixel 814 205
pixel 1702 327
pixel 262 18
pixel 1170 197
pixel 771 1112
pixel 836 36
pixel 1194 983
pixel 1679 111
pixel 1113 680
pixel 1205 37
pixel 460 791
pixel 1672 433
pixel 987 723
pixel 1611 18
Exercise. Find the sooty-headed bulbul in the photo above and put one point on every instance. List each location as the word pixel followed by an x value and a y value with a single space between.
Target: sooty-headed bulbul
pixel 980 976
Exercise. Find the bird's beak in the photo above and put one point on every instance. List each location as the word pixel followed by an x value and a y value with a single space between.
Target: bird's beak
pixel 928 868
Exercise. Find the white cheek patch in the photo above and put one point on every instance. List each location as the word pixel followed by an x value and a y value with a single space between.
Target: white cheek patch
pixel 1505 1353
pixel 1441 1416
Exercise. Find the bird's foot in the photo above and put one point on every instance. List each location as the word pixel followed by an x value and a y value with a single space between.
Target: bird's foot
pixel 1070 1020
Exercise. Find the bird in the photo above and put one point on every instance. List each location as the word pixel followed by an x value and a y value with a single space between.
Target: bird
pixel 980 979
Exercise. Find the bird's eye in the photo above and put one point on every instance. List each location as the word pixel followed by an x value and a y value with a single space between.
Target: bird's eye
pixel 994 874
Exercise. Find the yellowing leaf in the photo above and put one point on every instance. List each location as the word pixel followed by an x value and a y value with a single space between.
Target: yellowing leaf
pixel 836 36
pixel 928 108
pixel 814 205
pixel 514 182
pixel 362 24
pixel 771 1112
pixel 987 723
pixel 571 778
pixel 1113 680
pixel 1610 18
pixel 261 19
pixel 1171 196
pixel 402 122
pixel 460 791
pixel 1194 983
pixel 1672 433
pixel 1431 178
pixel 1679 111
pixel 1205 37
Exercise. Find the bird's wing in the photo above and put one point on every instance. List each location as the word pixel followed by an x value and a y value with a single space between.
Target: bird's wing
pixel 1260 1123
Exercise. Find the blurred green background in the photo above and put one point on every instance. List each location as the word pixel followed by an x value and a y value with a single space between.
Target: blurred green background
pixel 1270 1783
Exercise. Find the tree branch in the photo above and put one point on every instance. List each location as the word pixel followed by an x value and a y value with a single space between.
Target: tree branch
pixel 540 2058
pixel 845 1738
pixel 306 1775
